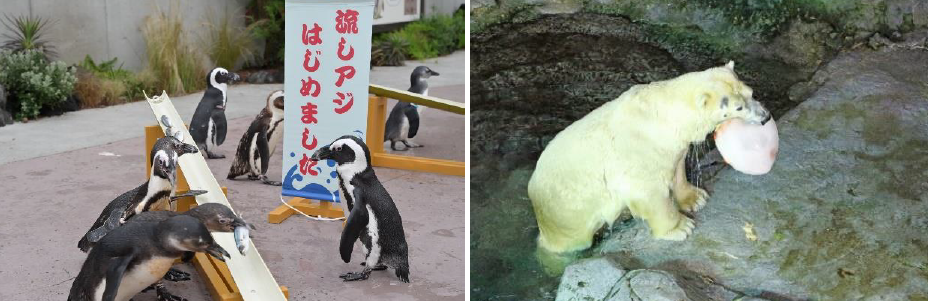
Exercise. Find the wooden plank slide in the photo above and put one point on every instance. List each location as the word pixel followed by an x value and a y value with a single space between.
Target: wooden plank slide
pixel 240 277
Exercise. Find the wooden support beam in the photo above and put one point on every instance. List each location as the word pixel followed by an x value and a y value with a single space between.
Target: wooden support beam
pixel 307 206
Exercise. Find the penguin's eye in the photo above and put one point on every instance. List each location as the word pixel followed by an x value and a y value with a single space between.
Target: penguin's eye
pixel 338 149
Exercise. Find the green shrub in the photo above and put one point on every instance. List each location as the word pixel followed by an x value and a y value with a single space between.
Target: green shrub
pixel 26 33
pixel 429 37
pixel 33 82
pixel 266 19
pixel 389 51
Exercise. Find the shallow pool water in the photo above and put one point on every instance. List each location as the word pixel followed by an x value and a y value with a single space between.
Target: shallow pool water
pixel 503 232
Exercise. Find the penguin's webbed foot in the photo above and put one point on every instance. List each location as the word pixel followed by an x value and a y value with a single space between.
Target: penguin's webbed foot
pixel 410 144
pixel 267 181
pixel 176 275
pixel 254 177
pixel 351 276
pixel 164 295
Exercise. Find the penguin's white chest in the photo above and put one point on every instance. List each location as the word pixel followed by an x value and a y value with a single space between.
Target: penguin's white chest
pixel 277 134
pixel 138 278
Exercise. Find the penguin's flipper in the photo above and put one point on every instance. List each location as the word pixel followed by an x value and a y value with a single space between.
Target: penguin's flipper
pixel 117 268
pixel 263 150
pixel 357 222
pixel 219 120
pixel 188 193
pixel 413 116
pixel 112 221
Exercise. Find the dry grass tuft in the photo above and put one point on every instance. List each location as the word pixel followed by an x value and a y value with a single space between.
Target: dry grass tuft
pixel 170 57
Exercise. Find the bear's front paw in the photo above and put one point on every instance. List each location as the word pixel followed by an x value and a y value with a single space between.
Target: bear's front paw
pixel 683 229
pixel 693 199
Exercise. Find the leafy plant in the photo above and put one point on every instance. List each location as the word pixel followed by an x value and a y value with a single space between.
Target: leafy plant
pixel 170 58
pixel 267 17
pixel 33 82
pixel 432 36
pixel 27 33
pixel 106 69
pixel 226 43
pixel 106 84
pixel 389 51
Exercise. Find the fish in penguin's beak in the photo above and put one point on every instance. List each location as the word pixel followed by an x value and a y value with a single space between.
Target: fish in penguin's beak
pixel 236 78
pixel 322 153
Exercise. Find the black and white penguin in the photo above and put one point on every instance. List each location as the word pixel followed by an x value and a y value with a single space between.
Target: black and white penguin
pixel 403 121
pixel 208 126
pixel 215 216
pixel 134 256
pixel 260 141
pixel 373 216
pixel 159 188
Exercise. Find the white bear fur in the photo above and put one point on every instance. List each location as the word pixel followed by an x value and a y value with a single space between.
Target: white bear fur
pixel 629 153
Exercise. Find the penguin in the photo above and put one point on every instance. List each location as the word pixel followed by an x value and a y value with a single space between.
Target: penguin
pixel 208 126
pixel 403 121
pixel 260 141
pixel 215 216
pixel 373 216
pixel 138 254
pixel 159 188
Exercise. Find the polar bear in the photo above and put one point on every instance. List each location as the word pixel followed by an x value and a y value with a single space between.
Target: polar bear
pixel 629 153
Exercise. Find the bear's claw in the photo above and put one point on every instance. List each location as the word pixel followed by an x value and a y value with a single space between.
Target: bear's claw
pixel 681 232
pixel 695 201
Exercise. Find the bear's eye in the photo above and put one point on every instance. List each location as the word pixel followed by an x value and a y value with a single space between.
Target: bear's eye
pixel 739 108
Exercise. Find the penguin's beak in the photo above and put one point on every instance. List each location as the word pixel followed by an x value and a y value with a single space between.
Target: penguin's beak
pixel 187 149
pixel 239 222
pixel 322 153
pixel 433 73
pixel 218 252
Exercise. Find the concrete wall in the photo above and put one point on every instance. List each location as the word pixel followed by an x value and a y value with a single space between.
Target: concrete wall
pixel 441 6
pixel 105 29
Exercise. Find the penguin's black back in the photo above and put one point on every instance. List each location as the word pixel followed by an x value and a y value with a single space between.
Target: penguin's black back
pixel 240 164
pixel 206 109
pixel 136 236
pixel 121 204
pixel 392 238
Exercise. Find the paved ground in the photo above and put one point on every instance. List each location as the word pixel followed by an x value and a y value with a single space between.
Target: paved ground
pixel 54 183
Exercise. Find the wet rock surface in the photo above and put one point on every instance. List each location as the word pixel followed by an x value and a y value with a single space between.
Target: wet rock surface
pixel 842 214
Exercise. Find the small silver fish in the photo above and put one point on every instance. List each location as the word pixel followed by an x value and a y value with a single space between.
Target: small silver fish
pixel 241 239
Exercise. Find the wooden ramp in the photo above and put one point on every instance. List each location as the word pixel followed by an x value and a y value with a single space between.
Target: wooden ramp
pixel 251 279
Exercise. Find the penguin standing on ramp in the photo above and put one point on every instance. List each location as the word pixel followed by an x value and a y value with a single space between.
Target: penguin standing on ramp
pixel 403 121
pixel 138 254
pixel 208 126
pixel 260 141
pixel 373 213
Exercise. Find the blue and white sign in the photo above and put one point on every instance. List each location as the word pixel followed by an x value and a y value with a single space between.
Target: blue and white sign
pixel 327 72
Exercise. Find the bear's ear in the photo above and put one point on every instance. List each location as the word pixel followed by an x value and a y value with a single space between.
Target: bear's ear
pixel 730 65
pixel 702 100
